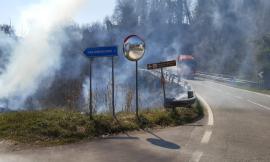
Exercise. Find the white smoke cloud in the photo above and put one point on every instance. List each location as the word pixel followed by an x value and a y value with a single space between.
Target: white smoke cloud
pixel 37 56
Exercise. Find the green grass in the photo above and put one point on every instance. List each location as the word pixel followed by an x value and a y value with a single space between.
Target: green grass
pixel 265 91
pixel 56 127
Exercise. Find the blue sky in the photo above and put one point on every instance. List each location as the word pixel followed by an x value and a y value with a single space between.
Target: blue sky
pixel 95 10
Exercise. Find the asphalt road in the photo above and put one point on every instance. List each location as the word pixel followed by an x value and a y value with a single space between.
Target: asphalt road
pixel 241 129
pixel 236 129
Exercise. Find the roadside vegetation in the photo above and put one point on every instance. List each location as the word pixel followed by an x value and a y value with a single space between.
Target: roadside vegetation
pixel 265 91
pixel 259 90
pixel 57 126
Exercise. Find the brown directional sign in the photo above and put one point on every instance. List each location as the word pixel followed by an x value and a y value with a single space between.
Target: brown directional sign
pixel 161 65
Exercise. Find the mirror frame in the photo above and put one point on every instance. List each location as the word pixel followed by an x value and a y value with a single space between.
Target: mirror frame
pixel 125 44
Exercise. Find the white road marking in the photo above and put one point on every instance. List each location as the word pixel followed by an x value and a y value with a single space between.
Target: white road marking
pixel 209 110
pixel 238 97
pixel 240 89
pixel 196 156
pixel 262 106
pixel 206 137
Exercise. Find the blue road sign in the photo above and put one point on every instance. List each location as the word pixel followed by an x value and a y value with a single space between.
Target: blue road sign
pixel 101 51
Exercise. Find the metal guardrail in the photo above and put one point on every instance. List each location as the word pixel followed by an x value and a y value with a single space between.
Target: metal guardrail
pixel 173 78
pixel 230 80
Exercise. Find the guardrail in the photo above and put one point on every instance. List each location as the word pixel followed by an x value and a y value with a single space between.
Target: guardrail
pixel 173 78
pixel 230 80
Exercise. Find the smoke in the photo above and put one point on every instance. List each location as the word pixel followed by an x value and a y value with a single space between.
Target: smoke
pixel 37 55
pixel 225 34
pixel 221 33
pixel 85 92
pixel 6 44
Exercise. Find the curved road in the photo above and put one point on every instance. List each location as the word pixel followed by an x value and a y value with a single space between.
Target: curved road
pixel 236 129
pixel 241 130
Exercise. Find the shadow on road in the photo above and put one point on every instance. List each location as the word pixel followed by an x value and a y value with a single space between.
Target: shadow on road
pixel 163 143
pixel 158 141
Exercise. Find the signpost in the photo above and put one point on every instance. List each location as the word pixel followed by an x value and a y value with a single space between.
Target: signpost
pixel 91 53
pixel 260 75
pixel 160 66
pixel 101 52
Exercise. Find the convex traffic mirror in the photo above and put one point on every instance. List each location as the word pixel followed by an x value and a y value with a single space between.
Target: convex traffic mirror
pixel 133 48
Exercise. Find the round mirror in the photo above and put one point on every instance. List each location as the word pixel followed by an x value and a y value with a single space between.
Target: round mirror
pixel 134 48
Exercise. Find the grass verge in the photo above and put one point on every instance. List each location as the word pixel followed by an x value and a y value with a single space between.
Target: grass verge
pixel 248 88
pixel 56 127
pixel 264 91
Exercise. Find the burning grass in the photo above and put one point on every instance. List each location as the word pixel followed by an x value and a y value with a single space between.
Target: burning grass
pixel 54 127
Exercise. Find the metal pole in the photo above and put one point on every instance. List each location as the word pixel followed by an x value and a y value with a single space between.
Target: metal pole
pixel 163 84
pixel 113 106
pixel 137 108
pixel 90 90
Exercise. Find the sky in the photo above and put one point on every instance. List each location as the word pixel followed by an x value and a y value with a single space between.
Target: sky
pixel 93 11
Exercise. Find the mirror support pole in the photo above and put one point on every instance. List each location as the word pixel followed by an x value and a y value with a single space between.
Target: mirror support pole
pixel 137 106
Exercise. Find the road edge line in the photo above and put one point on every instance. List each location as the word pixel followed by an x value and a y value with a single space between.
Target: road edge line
pixel 206 106
pixel 260 105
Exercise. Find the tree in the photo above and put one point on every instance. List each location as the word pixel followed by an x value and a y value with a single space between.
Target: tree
pixel 7 29
pixel 263 58
pixel 125 15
